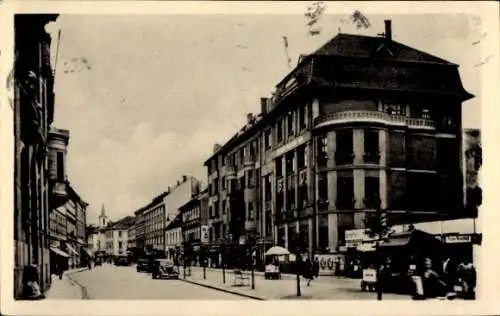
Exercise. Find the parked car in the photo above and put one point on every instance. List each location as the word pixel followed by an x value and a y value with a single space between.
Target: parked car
pixel 164 268
pixel 143 265
pixel 122 261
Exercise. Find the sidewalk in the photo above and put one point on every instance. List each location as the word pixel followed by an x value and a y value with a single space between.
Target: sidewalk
pixel 65 289
pixel 331 288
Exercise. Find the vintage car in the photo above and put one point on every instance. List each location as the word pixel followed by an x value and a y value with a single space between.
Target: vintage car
pixel 164 269
pixel 122 261
pixel 143 265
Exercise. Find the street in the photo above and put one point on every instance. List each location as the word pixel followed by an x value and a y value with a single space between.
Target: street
pixel 108 282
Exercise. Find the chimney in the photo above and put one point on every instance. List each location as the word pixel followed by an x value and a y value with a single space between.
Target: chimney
pixel 216 147
pixel 178 182
pixel 263 105
pixel 184 178
pixel 249 118
pixel 388 30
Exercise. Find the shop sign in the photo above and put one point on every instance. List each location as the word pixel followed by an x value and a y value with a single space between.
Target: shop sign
pixel 327 263
pixel 204 234
pixel 356 236
pixel 455 239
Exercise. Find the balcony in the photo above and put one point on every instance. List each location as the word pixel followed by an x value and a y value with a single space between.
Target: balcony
pixel 345 203
pixel 249 160
pixel 59 194
pixel 230 172
pixel 373 117
pixel 250 224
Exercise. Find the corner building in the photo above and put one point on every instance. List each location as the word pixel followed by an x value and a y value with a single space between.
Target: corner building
pixel 360 124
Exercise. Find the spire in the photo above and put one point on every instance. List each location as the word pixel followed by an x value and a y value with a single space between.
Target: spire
pixel 103 212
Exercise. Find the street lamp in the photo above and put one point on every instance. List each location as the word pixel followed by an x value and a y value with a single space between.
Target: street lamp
pixel 223 259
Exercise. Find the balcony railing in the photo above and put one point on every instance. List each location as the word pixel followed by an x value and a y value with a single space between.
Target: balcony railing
pixel 249 160
pixel 373 117
pixel 345 203
pixel 344 158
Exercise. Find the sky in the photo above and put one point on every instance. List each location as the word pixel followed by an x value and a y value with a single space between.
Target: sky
pixel 162 89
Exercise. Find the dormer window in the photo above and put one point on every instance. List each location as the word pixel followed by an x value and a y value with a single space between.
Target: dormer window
pixel 394 108
pixel 426 114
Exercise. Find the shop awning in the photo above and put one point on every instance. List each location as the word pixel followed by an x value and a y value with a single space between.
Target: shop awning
pixel 71 249
pixel 59 252
pixel 87 252
pixel 365 247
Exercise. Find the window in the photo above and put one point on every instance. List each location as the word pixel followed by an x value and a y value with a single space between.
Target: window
pixel 267 139
pixel 119 234
pixel 301 157
pixel 302 118
pixel 290 124
pixel 372 192
pixel 323 187
pixel 279 131
pixel 394 108
pixel 224 207
pixel 371 146
pixel 60 166
pixel 223 183
pixel 279 167
pixel 426 114
pixel 290 168
pixel 217 211
pixel 251 178
pixel 120 245
pixel 269 224
pixel 250 211
pixel 303 198
pixel 345 191
pixel 279 195
pixel 344 153
pixel 267 188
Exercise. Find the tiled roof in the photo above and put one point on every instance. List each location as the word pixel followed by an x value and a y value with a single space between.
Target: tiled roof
pixel 124 223
pixel 366 46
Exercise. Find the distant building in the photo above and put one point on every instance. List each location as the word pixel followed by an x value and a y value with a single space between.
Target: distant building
pixel 131 241
pixel 116 235
pixel 173 238
pixel 153 218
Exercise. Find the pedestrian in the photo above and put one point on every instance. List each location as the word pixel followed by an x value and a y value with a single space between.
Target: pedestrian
pixel 307 271
pixel 450 277
pixel 89 264
pixel 432 283
pixel 60 271
pixel 316 267
pixel 468 278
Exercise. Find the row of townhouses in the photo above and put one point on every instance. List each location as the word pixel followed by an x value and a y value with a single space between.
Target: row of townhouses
pixel 49 215
pixel 362 124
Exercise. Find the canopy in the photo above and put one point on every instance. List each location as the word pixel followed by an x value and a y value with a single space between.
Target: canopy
pixel 88 252
pixel 72 249
pixel 277 251
pixel 59 252
pixel 365 247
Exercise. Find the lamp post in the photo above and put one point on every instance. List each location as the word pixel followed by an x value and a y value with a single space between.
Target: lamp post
pixel 223 257
pixel 253 267
pixel 297 264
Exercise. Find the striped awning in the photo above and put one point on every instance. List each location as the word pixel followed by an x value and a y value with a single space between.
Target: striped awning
pixel 59 252
pixel 71 249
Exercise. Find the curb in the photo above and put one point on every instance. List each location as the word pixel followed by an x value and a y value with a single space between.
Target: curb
pixel 84 292
pixel 224 290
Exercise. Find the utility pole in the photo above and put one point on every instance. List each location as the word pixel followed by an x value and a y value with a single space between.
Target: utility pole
pixel 382 223
pixel 253 268
pixel 297 264
pixel 223 257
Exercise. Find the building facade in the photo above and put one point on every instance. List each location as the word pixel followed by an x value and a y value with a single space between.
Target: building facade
pixel 116 236
pixel 364 123
pixel 152 219
pixel 131 242
pixel 173 239
pixel 33 114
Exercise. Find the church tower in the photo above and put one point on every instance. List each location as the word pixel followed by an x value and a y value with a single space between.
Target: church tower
pixel 103 219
